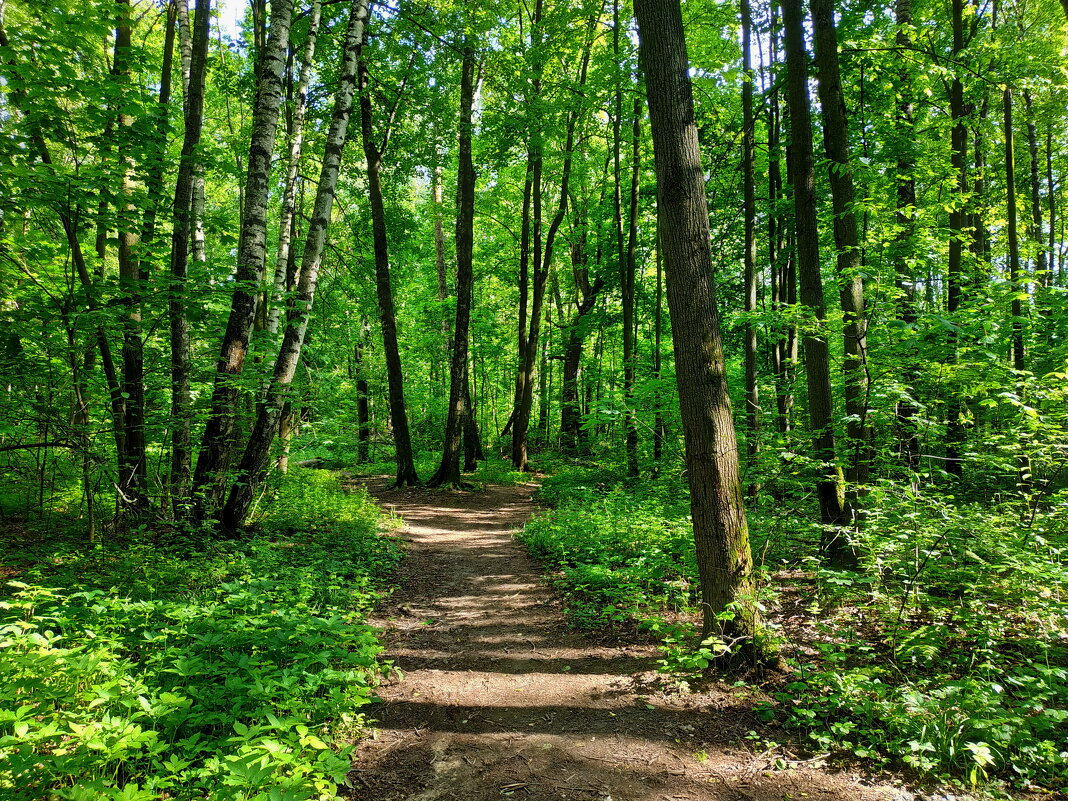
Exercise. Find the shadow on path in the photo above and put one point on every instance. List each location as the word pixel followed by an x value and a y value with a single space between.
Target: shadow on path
pixel 499 699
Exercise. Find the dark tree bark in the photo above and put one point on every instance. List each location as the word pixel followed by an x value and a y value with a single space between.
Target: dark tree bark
pixel 625 253
pixel 752 393
pixel 780 261
pixel 398 410
pixel 847 242
pixel 133 467
pixel 721 535
pixel 571 439
pixel 252 470
pixel 448 472
pixel 830 488
pixel 181 414
pixel 209 479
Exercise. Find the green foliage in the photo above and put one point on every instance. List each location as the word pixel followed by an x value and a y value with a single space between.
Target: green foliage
pixel 232 670
pixel 946 653
pixel 622 556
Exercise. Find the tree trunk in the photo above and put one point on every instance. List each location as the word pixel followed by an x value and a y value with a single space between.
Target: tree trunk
pixel 847 242
pixel 752 393
pixel 289 193
pixel 252 469
pixel 398 410
pixel 831 486
pixel 625 253
pixel 659 427
pixel 906 408
pixel 1042 270
pixel 543 256
pixel 363 397
pixel 133 467
pixel 721 536
pixel 448 472
pixel 209 479
pixel 181 398
pixel 957 218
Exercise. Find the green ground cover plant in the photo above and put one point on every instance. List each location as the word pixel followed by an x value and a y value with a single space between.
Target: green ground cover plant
pixel 183 666
pixel 946 653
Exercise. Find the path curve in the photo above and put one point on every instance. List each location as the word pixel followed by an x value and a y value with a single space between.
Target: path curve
pixel 498 699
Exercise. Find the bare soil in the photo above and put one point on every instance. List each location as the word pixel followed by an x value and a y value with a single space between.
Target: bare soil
pixel 500 699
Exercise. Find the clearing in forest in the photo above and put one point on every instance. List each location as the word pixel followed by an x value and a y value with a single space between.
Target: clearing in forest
pixel 500 699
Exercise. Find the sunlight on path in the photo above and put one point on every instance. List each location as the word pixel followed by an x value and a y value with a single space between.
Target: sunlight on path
pixel 500 700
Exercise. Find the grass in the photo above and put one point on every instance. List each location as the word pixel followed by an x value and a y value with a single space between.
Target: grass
pixel 173 665
pixel 946 654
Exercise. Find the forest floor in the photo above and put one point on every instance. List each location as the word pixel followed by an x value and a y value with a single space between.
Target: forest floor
pixel 499 698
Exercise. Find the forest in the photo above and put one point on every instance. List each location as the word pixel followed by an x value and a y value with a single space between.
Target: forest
pixel 715 349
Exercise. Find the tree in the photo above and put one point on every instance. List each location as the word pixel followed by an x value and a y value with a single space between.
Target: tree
pixel 398 410
pixel 830 488
pixel 254 460
pixel 181 239
pixel 448 472
pixel 721 535
pixel 217 445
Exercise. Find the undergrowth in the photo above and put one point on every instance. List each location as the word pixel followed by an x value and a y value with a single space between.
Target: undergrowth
pixel 945 654
pixel 174 665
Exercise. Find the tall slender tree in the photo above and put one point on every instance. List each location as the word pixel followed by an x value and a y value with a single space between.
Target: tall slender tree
pixel 254 460
pixel 830 486
pixel 220 434
pixel 448 472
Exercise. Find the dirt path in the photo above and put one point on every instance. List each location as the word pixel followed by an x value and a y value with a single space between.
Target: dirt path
pixel 500 700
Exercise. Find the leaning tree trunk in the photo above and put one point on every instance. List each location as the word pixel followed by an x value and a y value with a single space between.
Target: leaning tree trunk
pixel 398 410
pixel 830 486
pixel 252 470
pixel 724 560
pixel 448 472
pixel 209 479
pixel 181 397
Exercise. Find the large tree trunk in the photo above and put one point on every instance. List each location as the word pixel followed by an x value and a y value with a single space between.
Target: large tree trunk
pixel 847 242
pixel 830 488
pixel 254 461
pixel 724 560
pixel 398 410
pixel 209 480
pixel 448 472
pixel 181 414
pixel 752 393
